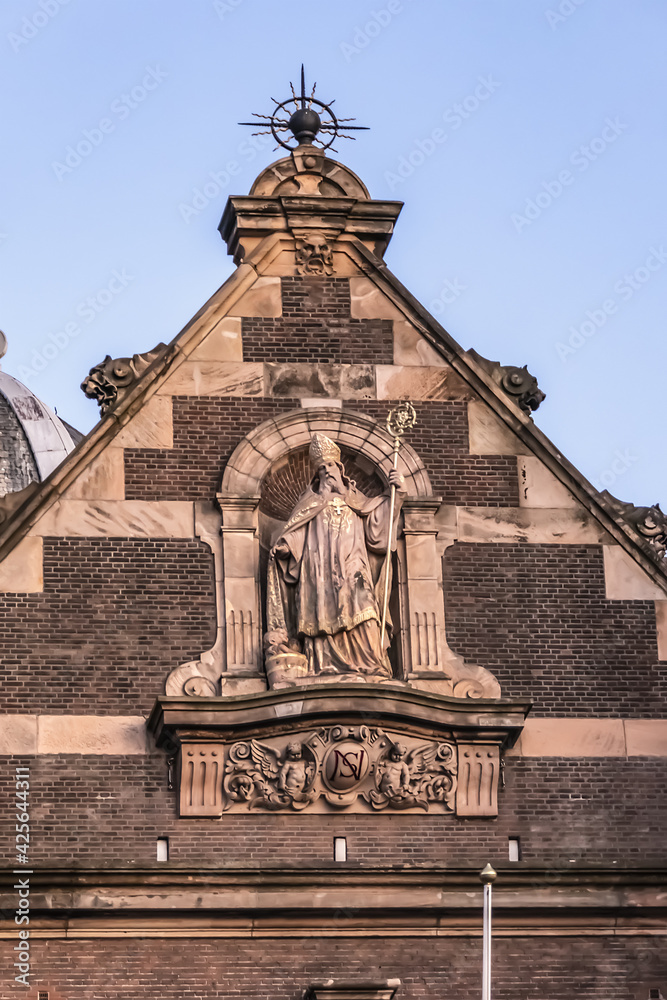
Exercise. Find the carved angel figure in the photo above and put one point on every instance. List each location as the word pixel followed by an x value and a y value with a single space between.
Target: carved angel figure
pixel 276 782
pixel 395 777
pixel 405 780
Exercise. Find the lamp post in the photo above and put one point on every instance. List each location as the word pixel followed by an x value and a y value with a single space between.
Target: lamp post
pixel 487 876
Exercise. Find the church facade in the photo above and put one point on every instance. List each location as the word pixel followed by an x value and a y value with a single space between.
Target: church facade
pixel 313 625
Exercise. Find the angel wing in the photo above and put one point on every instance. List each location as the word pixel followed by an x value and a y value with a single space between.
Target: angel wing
pixel 421 759
pixel 266 758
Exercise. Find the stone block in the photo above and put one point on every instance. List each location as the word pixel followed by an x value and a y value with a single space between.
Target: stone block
pixel 223 343
pixel 102 479
pixel 571 738
pixel 216 378
pixel 239 554
pixel 422 558
pixel 263 298
pixel 525 524
pixel 18 735
pixel 91 734
pixel 312 380
pixel 312 403
pixel 240 594
pixel 367 301
pixel 625 580
pixel 118 519
pixel 22 571
pixel 412 348
pixel 646 737
pixel 538 487
pixel 416 382
pixel 488 434
pixel 152 427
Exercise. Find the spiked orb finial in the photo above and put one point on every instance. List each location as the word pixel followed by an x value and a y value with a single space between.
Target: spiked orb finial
pixel 305 123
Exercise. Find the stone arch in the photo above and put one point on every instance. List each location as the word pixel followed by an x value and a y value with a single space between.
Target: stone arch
pixel 357 432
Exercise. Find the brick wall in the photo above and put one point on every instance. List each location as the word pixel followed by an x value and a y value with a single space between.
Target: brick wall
pixel 538 618
pixel 207 430
pixel 316 326
pixel 116 616
pixel 621 968
pixel 87 809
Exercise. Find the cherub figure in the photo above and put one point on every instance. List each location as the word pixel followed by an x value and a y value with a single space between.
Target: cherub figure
pixel 395 780
pixel 293 775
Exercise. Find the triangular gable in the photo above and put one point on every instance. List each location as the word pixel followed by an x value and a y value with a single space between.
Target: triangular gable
pixel 206 358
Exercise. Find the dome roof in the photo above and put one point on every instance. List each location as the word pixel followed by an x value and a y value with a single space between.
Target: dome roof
pixel 33 440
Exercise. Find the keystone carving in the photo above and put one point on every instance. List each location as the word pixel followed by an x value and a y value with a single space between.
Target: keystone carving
pixel 313 255
pixel 650 523
pixel 111 379
pixel 518 383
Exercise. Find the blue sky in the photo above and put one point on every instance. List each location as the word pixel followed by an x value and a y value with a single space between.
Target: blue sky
pixel 526 138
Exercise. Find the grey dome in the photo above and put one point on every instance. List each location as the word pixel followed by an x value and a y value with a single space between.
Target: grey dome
pixel 33 440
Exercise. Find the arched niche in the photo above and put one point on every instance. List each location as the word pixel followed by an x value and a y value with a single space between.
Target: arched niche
pixel 355 433
pixel 266 474
pixel 274 457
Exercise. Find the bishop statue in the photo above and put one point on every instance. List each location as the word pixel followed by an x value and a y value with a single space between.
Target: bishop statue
pixel 326 574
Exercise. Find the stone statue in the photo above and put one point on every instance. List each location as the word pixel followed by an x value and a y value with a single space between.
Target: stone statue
pixel 325 579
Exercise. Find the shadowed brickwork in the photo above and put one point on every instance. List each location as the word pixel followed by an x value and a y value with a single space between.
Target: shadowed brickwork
pixel 116 808
pixel 621 968
pixel 115 617
pixel 538 618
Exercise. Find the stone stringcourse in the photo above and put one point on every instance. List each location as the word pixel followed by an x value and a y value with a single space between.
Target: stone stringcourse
pixel 517 382
pixel 650 523
pixel 354 746
pixel 113 378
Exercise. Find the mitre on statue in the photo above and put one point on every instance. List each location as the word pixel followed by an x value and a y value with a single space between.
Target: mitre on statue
pixel 323 449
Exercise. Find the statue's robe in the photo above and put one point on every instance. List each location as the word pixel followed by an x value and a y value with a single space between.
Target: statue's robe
pixel 326 578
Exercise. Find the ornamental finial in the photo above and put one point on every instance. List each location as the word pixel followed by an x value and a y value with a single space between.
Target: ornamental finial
pixel 305 123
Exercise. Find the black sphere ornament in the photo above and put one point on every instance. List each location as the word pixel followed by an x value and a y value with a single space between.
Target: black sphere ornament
pixel 305 123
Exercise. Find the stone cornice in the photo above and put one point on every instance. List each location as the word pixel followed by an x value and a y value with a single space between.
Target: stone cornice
pixel 499 721
pixel 297 901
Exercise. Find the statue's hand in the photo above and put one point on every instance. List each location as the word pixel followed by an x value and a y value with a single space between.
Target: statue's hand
pixel 397 480
pixel 280 549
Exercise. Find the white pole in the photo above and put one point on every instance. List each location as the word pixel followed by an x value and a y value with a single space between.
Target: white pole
pixel 487 876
